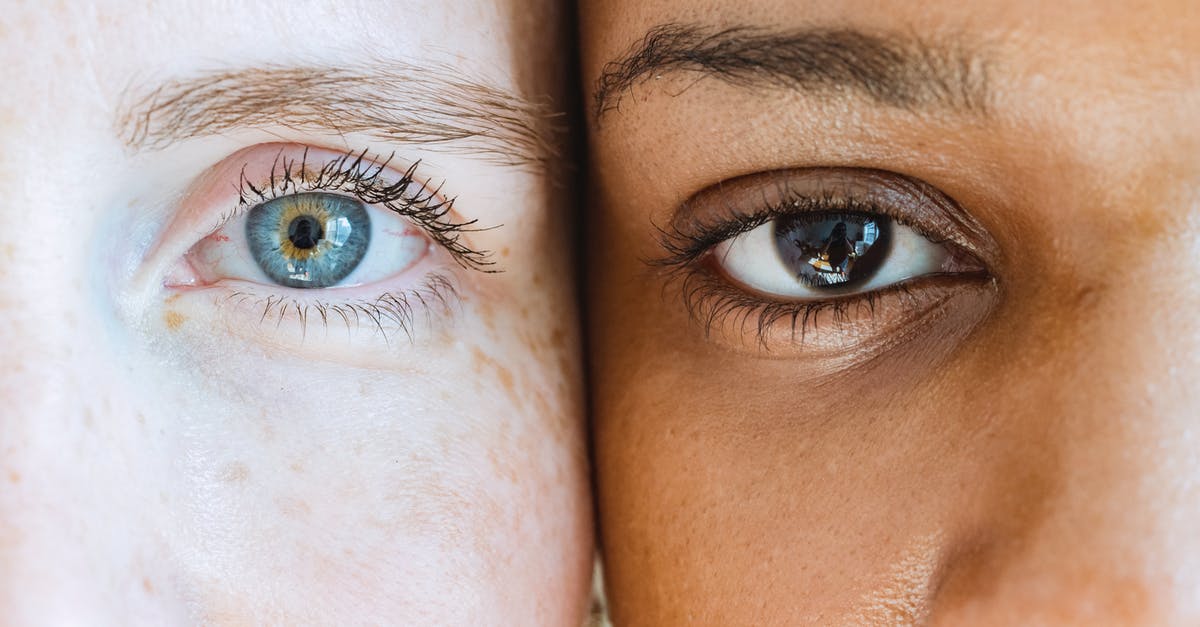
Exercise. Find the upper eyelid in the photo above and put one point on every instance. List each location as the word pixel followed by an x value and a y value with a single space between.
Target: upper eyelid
pixel 909 201
pixel 207 202
pixel 363 176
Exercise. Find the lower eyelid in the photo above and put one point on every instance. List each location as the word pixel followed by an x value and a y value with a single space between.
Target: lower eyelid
pixel 303 323
pixel 835 325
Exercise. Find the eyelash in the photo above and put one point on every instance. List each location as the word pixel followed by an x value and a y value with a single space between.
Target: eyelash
pixel 360 177
pixel 386 310
pixel 713 301
pixel 356 175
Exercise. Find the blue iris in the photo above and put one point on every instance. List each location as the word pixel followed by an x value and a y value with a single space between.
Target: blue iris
pixel 308 240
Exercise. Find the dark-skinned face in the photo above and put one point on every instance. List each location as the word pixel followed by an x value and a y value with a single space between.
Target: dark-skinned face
pixel 894 310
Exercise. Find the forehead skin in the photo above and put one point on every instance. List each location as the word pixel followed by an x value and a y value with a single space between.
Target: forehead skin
pixel 1039 470
pixel 164 464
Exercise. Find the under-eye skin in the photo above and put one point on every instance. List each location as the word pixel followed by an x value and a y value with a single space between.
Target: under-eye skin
pixel 315 236
pixel 821 256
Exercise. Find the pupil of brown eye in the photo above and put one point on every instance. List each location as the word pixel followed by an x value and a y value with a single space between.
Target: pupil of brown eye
pixel 826 250
pixel 305 232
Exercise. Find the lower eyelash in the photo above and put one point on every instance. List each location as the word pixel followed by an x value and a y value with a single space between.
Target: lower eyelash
pixel 390 313
pixel 714 304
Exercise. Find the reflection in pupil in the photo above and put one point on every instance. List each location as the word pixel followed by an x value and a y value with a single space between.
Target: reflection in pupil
pixel 832 250
pixel 309 240
pixel 838 249
pixel 305 232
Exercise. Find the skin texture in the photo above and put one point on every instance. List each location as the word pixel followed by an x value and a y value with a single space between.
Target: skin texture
pixel 1027 454
pixel 169 455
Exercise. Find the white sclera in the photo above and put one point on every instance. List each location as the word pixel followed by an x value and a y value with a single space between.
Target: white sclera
pixel 753 260
pixel 395 246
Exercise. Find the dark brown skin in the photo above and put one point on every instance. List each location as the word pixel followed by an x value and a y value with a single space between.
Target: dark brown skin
pixel 1015 449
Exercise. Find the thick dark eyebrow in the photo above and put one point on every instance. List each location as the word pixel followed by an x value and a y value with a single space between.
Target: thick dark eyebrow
pixel 393 102
pixel 893 70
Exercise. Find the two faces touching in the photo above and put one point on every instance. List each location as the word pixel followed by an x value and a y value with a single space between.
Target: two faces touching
pixel 889 313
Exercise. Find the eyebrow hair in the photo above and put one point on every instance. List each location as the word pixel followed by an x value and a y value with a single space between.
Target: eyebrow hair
pixel 394 102
pixel 893 70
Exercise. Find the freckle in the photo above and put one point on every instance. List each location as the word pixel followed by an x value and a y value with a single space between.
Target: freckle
pixel 235 472
pixel 504 251
pixel 537 280
pixel 172 298
pixel 484 311
pixel 141 419
pixel 292 507
pixel 543 405
pixel 297 466
pixel 506 379
pixel 147 586
pixel 480 359
pixel 174 320
pixel 14 476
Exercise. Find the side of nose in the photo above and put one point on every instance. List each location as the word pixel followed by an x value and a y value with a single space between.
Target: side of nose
pixel 1094 516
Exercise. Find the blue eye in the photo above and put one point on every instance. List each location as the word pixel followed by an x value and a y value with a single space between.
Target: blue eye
pixel 309 240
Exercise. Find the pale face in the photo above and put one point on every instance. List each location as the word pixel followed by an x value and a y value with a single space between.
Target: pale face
pixel 249 379
pixel 918 341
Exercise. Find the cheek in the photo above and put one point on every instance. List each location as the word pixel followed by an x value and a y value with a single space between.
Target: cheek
pixel 408 482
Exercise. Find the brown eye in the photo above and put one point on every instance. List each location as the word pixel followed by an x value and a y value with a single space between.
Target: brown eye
pixel 832 250
pixel 813 255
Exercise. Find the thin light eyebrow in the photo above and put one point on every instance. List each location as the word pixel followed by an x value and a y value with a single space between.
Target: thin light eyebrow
pixel 393 102
pixel 893 70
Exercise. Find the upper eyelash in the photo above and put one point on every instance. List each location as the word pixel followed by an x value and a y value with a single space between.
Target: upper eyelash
pixel 711 301
pixel 361 177
pixel 685 243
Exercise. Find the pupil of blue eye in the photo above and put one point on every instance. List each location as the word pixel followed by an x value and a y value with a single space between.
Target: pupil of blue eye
pixel 310 240
pixel 305 232
pixel 832 250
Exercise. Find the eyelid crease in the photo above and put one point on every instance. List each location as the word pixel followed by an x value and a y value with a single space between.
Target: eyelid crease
pixel 739 205
pixel 364 178
pixel 735 206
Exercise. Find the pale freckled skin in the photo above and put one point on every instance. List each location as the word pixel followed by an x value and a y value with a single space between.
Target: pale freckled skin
pixel 235 472
pixel 174 320
pixel 180 458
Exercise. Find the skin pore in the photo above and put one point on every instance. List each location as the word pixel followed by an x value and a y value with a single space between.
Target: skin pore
pixel 183 440
pixel 1006 439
